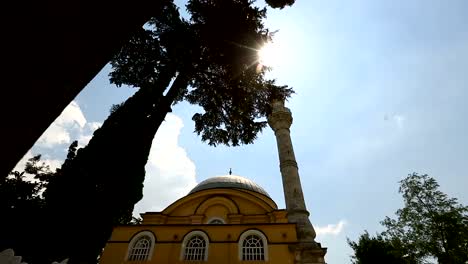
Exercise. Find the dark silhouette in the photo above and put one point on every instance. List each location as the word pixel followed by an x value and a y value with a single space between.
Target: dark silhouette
pixel 21 201
pixel 211 61
pixel 280 3
pixel 52 51
pixel 371 250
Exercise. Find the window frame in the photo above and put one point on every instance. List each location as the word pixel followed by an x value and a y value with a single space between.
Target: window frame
pixel 187 239
pixel 248 233
pixel 135 240
pixel 214 219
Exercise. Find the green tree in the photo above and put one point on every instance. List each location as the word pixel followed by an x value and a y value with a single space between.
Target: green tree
pixel 432 223
pixel 429 226
pixel 370 250
pixel 210 61
pixel 215 55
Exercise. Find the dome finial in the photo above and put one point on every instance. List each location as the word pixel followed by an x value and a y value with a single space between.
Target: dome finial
pixel 230 171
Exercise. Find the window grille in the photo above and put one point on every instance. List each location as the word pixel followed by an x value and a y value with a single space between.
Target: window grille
pixel 216 222
pixel 141 249
pixel 195 248
pixel 253 248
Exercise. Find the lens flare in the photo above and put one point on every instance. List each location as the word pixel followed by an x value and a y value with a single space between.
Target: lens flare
pixel 270 55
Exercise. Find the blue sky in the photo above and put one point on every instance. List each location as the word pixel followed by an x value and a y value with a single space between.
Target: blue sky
pixel 380 93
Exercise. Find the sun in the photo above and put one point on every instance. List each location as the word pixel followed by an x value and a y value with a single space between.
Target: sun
pixel 270 54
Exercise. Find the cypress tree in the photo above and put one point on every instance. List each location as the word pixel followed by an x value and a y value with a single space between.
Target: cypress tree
pixel 209 60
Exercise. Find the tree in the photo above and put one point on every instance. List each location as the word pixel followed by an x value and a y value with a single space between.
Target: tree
pixel 215 54
pixel 20 199
pixel 210 61
pixel 429 226
pixel 280 3
pixel 370 250
pixel 431 222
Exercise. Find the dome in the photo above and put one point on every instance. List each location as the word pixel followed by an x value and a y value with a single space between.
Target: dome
pixel 229 181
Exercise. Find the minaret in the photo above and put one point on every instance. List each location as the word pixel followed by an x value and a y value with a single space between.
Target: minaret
pixel 307 250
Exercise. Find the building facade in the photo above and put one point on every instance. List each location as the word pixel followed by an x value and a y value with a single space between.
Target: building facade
pixel 227 219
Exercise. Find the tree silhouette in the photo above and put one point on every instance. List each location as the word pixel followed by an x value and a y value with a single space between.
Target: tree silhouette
pixel 370 250
pixel 209 60
pixel 280 3
pixel 20 200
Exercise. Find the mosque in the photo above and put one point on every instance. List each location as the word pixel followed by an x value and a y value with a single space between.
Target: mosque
pixel 227 219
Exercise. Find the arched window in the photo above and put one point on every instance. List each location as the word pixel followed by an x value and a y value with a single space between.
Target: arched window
pixel 195 247
pixel 216 221
pixel 141 247
pixel 253 246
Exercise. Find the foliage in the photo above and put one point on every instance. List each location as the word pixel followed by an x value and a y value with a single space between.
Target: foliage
pixel 17 193
pixel 429 226
pixel 99 187
pixel 20 199
pixel 209 60
pixel 215 55
pixel 431 222
pixel 370 250
pixel 280 3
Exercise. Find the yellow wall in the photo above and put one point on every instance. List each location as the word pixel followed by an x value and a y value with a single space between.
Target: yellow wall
pixel 241 210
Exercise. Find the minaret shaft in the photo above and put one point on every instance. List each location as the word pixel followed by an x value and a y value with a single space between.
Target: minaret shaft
pixel 291 182
pixel 280 121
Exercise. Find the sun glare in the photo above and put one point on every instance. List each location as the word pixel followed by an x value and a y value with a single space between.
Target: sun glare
pixel 270 55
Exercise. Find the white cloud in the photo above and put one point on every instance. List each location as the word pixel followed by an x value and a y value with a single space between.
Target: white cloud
pixel 54 135
pixel 72 114
pixel 59 131
pixel 87 133
pixel 83 140
pixel 330 229
pixel 94 125
pixel 170 173
pixel 70 125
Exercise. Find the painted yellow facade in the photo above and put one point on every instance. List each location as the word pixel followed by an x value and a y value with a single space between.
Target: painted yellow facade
pixel 227 219
pixel 239 212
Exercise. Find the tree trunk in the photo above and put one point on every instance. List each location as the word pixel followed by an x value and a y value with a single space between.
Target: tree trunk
pixel 105 180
